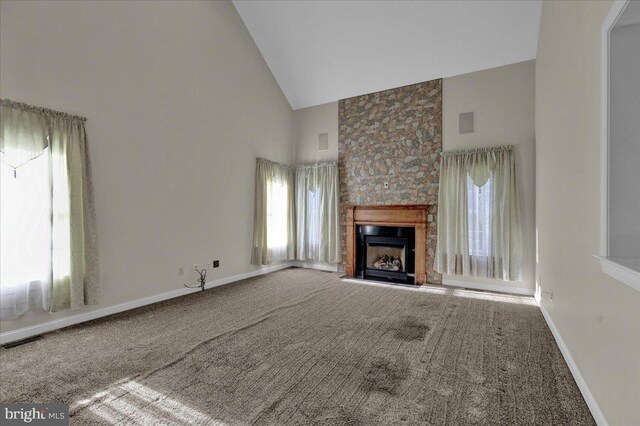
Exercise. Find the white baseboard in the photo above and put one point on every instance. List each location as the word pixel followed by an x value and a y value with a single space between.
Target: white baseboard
pixel 489 287
pixel 575 371
pixel 331 267
pixel 25 332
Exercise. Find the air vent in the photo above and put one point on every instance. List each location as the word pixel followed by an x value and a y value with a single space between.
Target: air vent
pixel 22 342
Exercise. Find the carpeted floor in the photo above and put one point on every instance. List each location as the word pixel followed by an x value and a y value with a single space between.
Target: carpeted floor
pixel 301 347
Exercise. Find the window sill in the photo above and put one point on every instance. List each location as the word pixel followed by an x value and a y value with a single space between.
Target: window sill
pixel 622 269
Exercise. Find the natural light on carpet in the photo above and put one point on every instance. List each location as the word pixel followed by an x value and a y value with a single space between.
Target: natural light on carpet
pixel 469 294
pixel 133 403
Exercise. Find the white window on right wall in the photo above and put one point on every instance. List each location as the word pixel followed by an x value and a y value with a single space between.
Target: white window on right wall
pixel 620 228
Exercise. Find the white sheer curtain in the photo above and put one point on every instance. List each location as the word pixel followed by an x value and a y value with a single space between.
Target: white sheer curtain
pixel 25 252
pixel 317 213
pixel 274 220
pixel 479 219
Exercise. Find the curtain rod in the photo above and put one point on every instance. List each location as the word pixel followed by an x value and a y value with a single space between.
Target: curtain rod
pixel 40 110
pixel 326 163
pixel 474 150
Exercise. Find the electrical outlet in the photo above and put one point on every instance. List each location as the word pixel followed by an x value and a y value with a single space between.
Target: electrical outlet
pixel 216 263
pixel 196 266
pixel 181 270
pixel 209 264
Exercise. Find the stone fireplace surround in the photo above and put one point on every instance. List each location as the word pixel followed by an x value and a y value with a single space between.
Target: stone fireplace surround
pixel 392 215
pixel 389 147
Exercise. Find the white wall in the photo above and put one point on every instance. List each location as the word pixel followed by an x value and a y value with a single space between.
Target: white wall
pixel 503 102
pixel 597 316
pixel 179 104
pixel 624 142
pixel 309 124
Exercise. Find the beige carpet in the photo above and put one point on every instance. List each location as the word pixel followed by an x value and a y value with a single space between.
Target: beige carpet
pixel 302 347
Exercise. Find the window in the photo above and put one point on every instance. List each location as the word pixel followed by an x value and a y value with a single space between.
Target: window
pixel 313 220
pixel 25 222
pixel 479 227
pixel 25 240
pixel 317 236
pixel 48 245
pixel 620 149
pixel 277 214
pixel 479 205
pixel 273 216
pixel 296 213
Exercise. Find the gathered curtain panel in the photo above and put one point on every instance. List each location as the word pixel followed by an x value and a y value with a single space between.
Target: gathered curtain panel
pixel 317 207
pixel 47 151
pixel 75 242
pixel 274 215
pixel 464 175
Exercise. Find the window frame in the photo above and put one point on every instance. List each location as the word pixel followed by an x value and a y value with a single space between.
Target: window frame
pixel 609 265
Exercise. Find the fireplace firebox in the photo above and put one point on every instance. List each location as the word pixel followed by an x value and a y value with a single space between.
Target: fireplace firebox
pixel 400 255
pixel 385 253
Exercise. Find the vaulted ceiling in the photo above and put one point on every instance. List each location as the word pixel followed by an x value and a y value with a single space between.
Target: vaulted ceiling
pixel 322 51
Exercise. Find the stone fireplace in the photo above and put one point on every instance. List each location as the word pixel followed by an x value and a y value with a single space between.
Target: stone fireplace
pixel 386 243
pixel 389 146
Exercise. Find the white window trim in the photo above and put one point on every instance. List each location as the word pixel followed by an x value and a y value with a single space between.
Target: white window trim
pixel 609 265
